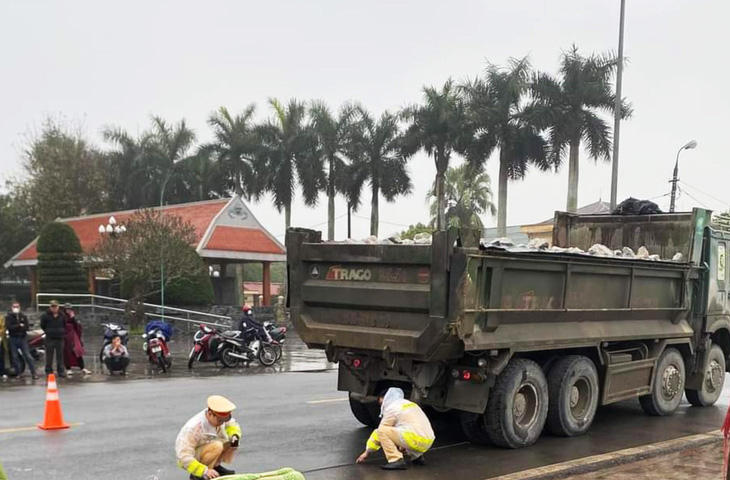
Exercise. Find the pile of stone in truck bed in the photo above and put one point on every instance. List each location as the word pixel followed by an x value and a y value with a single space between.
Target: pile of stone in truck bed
pixel 535 245
pixel 418 239
pixel 597 250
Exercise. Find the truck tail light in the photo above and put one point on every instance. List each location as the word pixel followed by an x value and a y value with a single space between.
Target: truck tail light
pixel 467 375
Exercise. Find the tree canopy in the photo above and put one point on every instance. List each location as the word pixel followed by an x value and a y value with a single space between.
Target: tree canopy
pixel 529 118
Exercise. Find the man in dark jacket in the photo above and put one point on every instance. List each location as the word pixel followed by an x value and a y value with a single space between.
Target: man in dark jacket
pixel 17 324
pixel 53 323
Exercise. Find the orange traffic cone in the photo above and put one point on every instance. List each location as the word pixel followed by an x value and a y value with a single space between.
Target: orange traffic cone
pixel 53 419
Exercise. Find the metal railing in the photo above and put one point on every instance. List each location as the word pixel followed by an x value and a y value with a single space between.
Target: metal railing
pixel 103 303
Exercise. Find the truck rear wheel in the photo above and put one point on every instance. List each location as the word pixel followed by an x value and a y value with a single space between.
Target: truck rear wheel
pixel 518 405
pixel 713 380
pixel 573 387
pixel 474 427
pixel 367 413
pixel 668 385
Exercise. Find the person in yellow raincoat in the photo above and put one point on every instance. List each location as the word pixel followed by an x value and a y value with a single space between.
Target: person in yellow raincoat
pixel 403 429
pixel 208 439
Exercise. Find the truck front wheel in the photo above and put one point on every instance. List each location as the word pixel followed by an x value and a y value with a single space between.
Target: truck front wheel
pixel 518 405
pixel 573 387
pixel 668 386
pixel 367 413
pixel 713 380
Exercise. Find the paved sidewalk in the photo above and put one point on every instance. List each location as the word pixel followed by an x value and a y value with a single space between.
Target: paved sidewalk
pixel 703 463
pixel 696 457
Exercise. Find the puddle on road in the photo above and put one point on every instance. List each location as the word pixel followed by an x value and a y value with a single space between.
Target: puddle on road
pixel 296 357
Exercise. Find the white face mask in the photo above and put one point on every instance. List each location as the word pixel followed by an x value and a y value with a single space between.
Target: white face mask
pixel 16 310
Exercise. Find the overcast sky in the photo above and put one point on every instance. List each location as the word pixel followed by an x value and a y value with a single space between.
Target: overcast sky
pixel 98 63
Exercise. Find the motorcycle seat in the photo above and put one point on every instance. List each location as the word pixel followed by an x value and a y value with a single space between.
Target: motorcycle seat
pixel 231 333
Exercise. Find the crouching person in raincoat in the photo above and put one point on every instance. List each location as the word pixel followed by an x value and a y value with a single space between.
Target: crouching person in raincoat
pixel 403 429
pixel 208 439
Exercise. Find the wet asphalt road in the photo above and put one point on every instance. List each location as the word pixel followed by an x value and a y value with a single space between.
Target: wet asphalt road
pixel 125 429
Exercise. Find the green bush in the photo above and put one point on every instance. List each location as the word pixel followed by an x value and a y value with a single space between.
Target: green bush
pixel 59 261
pixel 57 237
pixel 190 291
pixel 196 291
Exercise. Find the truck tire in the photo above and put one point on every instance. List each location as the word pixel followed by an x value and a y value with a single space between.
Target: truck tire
pixel 474 427
pixel 668 385
pixel 713 380
pixel 518 405
pixel 366 413
pixel 573 389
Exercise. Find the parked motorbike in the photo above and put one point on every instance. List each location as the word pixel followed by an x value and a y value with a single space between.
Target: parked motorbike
pixel 110 330
pixel 229 347
pixel 247 345
pixel 278 335
pixel 266 332
pixel 156 336
pixel 205 345
pixel 36 346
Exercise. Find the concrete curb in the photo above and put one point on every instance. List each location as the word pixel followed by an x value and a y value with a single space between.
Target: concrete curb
pixel 612 459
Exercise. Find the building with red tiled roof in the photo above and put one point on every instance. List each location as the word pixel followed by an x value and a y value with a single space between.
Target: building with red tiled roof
pixel 226 234
pixel 254 290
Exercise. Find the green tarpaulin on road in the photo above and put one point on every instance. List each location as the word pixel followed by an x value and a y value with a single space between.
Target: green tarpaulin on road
pixel 281 474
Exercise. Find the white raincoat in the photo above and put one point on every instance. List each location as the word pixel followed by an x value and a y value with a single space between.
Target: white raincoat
pixel 413 426
pixel 197 432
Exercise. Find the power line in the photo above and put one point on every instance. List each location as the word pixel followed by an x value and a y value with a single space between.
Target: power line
pixel 723 202
pixel 693 198
pixel 383 221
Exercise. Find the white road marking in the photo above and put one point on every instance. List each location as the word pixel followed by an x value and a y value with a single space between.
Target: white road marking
pixel 28 429
pixel 327 400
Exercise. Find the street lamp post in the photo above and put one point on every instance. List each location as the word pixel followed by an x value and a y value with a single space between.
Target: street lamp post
pixel 112 228
pixel 162 251
pixel 617 107
pixel 687 146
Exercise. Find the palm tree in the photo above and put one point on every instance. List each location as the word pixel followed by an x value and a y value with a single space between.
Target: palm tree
pixel 495 115
pixel 568 108
pixel 130 174
pixel 333 137
pixel 234 149
pixel 288 149
pixel 377 148
pixel 438 127
pixel 204 177
pixel 171 144
pixel 468 196
pixel 350 184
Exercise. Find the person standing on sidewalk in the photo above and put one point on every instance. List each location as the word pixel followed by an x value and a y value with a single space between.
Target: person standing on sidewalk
pixel 73 343
pixel 3 348
pixel 53 323
pixel 17 325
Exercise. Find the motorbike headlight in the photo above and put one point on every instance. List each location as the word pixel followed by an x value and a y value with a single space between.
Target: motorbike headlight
pixel 144 335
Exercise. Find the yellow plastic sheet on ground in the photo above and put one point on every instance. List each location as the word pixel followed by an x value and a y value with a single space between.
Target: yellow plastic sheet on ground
pixel 281 474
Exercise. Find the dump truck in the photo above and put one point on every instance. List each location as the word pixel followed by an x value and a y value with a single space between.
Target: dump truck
pixel 515 340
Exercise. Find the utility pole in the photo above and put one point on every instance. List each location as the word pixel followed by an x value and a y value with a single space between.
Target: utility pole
pixel 617 107
pixel 687 146
pixel 162 251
